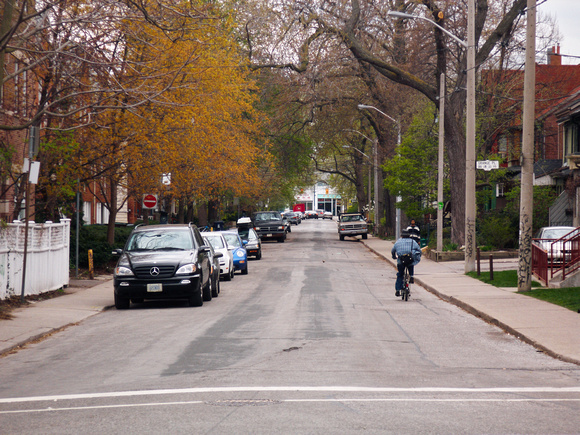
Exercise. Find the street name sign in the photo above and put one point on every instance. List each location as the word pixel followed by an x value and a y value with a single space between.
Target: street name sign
pixel 487 165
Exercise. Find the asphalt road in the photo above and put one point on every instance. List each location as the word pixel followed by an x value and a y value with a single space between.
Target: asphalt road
pixel 311 341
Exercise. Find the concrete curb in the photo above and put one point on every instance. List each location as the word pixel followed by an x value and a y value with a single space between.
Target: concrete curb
pixel 479 313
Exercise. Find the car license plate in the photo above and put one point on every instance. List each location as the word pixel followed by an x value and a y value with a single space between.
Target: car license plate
pixel 268 235
pixel 154 288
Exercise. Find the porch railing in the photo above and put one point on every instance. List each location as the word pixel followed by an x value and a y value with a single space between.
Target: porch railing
pixel 556 256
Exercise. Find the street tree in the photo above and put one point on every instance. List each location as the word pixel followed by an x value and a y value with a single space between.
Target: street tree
pixel 202 128
pixel 412 172
pixel 398 50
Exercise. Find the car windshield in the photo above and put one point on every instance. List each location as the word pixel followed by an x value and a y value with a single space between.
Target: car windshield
pixel 215 241
pixel 156 240
pixel 267 216
pixel 356 218
pixel 555 233
pixel 233 240
pixel 247 234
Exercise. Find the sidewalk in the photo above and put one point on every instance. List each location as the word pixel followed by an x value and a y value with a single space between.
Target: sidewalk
pixel 83 299
pixel 553 329
pixel 550 328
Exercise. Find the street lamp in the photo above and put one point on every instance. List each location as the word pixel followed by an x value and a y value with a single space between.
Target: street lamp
pixel 404 15
pixel 470 242
pixel 398 210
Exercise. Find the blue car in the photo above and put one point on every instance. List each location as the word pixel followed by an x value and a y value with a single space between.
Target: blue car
pixel 236 246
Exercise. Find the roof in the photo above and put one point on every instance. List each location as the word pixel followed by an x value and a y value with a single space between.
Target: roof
pixel 547 167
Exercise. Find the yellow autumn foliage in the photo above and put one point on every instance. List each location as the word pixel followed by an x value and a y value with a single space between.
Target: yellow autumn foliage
pixel 189 112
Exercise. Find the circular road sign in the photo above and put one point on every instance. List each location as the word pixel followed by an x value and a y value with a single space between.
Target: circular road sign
pixel 149 201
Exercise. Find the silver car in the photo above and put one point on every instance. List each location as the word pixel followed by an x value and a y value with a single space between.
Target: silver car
pixel 219 244
pixel 547 238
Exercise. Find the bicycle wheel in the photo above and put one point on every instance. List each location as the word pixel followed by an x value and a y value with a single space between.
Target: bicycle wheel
pixel 406 287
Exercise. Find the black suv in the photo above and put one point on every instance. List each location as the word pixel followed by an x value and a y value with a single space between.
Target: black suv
pixel 163 262
pixel 269 225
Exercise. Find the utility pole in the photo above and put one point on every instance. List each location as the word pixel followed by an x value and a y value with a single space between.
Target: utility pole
pixel 440 163
pixel 470 204
pixel 527 179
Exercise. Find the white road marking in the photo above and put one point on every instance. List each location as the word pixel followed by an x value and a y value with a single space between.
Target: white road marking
pixel 337 389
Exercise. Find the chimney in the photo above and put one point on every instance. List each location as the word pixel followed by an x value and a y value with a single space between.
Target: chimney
pixel 554 57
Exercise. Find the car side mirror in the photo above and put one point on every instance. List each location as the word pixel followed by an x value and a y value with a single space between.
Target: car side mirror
pixel 218 255
pixel 117 252
pixel 244 242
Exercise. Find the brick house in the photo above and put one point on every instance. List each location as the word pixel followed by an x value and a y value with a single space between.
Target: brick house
pixel 557 88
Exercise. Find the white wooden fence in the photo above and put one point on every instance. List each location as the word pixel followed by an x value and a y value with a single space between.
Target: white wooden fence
pixel 47 258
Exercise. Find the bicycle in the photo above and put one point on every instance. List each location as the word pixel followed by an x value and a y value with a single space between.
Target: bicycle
pixel 406 290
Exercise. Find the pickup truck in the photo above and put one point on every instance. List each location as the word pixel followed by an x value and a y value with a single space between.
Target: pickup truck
pixel 269 225
pixel 352 224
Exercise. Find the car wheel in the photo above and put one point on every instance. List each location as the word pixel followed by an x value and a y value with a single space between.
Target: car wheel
pixel 341 237
pixel 121 303
pixel 245 271
pixel 228 276
pixel 196 300
pixel 215 291
pixel 208 290
pixel 365 236
pixel 281 239
pixel 290 229
pixel 259 256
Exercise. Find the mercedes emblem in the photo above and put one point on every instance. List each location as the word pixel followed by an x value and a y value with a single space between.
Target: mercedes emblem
pixel 154 271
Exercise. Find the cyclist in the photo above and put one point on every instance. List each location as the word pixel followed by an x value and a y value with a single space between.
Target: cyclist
pixel 414 231
pixel 402 249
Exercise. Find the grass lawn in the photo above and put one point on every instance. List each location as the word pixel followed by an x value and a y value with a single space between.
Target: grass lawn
pixel 502 278
pixel 565 297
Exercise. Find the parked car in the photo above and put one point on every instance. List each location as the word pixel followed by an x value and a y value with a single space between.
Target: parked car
pixel 352 224
pixel 320 213
pixel 163 262
pixel 327 215
pixel 251 241
pixel 270 225
pixel 215 272
pixel 236 246
pixel 311 214
pixel 219 244
pixel 546 236
pixel 293 218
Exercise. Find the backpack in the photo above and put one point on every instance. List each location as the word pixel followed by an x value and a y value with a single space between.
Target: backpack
pixel 406 259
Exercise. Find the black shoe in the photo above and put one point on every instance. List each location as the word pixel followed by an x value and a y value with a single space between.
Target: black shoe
pixel 397 293
pixel 411 280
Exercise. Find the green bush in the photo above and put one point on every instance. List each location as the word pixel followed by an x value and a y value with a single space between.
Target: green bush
pixel 95 237
pixel 497 230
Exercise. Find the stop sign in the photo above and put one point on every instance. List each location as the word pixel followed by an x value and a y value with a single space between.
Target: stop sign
pixel 149 201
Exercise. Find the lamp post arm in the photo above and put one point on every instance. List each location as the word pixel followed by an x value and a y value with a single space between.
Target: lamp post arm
pixel 356 149
pixel 443 29
pixel 363 135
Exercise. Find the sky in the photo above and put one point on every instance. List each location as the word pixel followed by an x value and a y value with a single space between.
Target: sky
pixel 567 14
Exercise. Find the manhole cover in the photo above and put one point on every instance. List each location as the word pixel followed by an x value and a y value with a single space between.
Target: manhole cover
pixel 243 402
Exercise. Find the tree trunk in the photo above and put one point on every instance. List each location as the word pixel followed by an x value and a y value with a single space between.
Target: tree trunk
pixel 112 213
pixel 181 211
pixel 455 147
pixel 212 210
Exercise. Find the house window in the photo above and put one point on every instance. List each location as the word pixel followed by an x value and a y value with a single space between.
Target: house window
pixel 502 145
pixel 87 218
pixel 499 190
pixel 571 138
